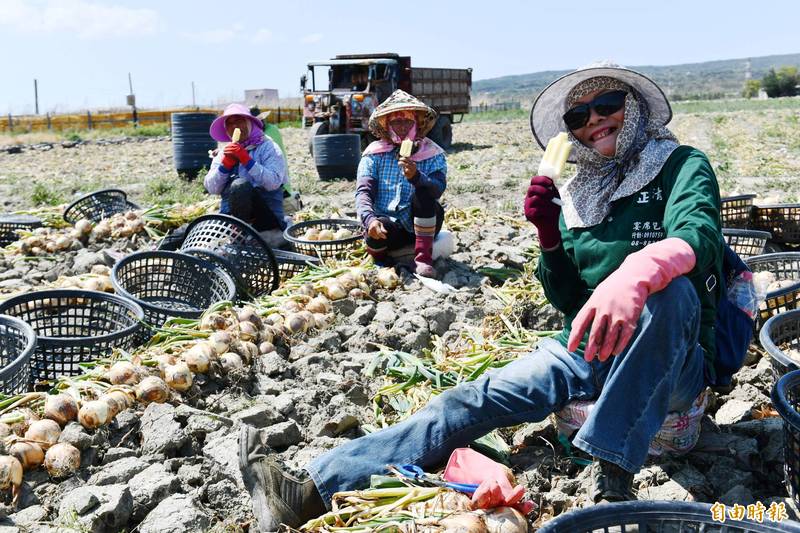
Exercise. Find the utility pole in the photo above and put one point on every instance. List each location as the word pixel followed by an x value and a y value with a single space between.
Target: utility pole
pixel 132 101
pixel 193 104
pixel 36 94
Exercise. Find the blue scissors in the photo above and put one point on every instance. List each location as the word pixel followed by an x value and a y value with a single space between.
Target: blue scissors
pixel 416 473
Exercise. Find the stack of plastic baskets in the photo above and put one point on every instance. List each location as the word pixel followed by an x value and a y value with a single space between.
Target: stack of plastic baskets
pixel 736 211
pixel 662 517
pixel 74 326
pixel 745 242
pixel 786 268
pixel 17 342
pixel 98 205
pixel 781 220
pixel 238 248
pixel 170 284
pixel 780 336
pixel 290 263
pixel 786 399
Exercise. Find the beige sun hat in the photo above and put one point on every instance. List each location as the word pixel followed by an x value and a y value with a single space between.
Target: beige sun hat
pixel 401 101
pixel 550 105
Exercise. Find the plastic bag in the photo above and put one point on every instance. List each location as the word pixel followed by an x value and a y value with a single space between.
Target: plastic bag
pixel 746 294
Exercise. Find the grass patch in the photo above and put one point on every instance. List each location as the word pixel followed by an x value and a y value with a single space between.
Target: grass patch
pixel 172 189
pixel 42 195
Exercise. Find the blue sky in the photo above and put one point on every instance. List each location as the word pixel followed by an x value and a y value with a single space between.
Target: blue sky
pixel 82 50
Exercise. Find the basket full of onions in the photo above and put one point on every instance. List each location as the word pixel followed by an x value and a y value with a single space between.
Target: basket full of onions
pixel 171 284
pixel 325 237
pixel 17 342
pixel 238 248
pixel 74 326
pixel 98 205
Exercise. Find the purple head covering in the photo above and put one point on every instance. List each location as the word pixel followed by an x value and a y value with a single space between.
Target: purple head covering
pixel 219 133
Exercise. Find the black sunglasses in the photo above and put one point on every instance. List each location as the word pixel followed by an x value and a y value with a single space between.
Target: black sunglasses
pixel 606 104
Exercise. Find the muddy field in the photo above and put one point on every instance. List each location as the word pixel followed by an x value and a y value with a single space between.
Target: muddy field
pixel 174 467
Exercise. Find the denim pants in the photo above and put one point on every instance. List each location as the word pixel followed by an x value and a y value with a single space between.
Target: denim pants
pixel 660 371
pixel 245 202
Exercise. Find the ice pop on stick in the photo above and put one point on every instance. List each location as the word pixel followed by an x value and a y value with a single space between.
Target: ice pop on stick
pixel 237 134
pixel 405 147
pixel 554 159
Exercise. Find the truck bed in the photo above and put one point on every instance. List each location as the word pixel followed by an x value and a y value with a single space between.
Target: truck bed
pixel 445 89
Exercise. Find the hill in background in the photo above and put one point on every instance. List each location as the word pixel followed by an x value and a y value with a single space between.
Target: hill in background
pixel 691 81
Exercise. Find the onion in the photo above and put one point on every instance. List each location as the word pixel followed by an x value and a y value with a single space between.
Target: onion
pixel 115 406
pixel 249 350
pixel 213 321
pixel 275 319
pixel 29 454
pixel 357 294
pixel 320 304
pixel 342 234
pixel 266 347
pixel 28 418
pixel 63 242
pixel 83 226
pixel 152 389
pixel 220 341
pixel 321 320
pixel 178 376
pixel 122 373
pixel 44 432
pixel 306 289
pixel 230 361
pixel 291 306
pixel 5 430
pixel 101 270
pixel 388 278
pixel 249 314
pixel 248 331
pixel 348 281
pixel 94 414
pixel 464 523
pixel 266 334
pixel 61 407
pixel 62 460
pixel 311 234
pixel 296 323
pixel 334 290
pixel 325 235
pixel 10 472
pixel 505 520
pixel 164 360
pixel 198 357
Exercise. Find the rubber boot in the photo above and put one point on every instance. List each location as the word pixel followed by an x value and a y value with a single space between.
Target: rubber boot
pixel 423 256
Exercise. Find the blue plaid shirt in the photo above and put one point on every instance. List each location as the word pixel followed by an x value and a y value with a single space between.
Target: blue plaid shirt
pixel 393 197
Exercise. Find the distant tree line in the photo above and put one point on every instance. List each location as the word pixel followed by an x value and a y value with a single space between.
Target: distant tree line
pixel 784 82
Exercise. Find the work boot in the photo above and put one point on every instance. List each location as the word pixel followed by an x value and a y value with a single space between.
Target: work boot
pixel 423 256
pixel 278 497
pixel 610 483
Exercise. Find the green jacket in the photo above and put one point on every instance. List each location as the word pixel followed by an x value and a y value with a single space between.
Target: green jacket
pixel 682 201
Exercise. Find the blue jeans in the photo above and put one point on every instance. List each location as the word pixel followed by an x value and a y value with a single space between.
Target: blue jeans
pixel 660 371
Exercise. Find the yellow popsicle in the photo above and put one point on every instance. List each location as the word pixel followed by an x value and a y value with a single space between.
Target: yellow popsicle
pixel 405 147
pixel 555 157
pixel 237 134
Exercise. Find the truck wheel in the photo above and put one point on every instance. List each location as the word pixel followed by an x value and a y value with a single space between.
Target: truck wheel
pixel 318 128
pixel 337 155
pixel 442 132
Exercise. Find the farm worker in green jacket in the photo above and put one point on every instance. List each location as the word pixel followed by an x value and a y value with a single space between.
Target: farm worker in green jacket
pixel 633 260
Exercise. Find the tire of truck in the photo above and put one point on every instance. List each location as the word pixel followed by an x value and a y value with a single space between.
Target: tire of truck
pixel 337 155
pixel 442 132
pixel 318 128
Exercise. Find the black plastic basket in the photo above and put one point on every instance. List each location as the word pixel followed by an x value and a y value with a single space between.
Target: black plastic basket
pixel 74 326
pixel 736 211
pixel 237 247
pixel 290 263
pixel 98 205
pixel 785 266
pixel 781 220
pixel 171 284
pixel 9 224
pixel 786 399
pixel 746 242
pixel 660 517
pixel 781 332
pixel 294 234
pixel 17 342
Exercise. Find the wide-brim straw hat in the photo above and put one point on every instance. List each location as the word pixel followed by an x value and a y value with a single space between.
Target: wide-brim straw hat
pixel 551 104
pixel 401 101
pixel 218 131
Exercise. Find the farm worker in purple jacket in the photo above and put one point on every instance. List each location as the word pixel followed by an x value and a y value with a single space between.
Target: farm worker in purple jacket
pixel 396 197
pixel 249 174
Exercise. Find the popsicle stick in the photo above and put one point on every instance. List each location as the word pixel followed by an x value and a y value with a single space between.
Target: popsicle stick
pixel 237 134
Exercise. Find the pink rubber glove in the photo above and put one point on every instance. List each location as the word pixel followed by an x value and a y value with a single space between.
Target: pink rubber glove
pixel 613 309
pixel 542 212
pixel 493 479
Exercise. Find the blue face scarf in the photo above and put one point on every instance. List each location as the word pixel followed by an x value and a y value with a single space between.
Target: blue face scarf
pixel 642 150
